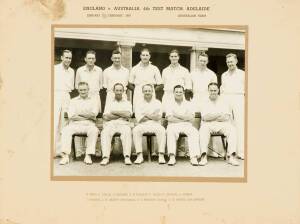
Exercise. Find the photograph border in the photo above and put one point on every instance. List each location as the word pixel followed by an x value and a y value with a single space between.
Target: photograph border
pixel 150 178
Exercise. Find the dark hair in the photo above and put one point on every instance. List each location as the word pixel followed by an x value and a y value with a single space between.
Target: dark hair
pixel 116 52
pixel 90 52
pixel 174 51
pixel 178 86
pixel 66 51
pixel 203 54
pixel 212 84
pixel 145 49
pixel 118 84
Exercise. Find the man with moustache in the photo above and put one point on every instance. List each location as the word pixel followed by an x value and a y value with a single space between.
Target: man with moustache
pixel 179 115
pixel 63 85
pixel 233 89
pixel 143 73
pixel 216 118
pixel 116 120
pixel 148 115
pixel 174 74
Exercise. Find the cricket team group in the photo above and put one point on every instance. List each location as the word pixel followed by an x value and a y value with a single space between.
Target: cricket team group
pixel 221 106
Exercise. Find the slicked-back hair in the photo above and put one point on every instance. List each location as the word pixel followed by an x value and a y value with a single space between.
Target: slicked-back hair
pixel 231 55
pixel 174 51
pixel 212 84
pixel 90 52
pixel 116 52
pixel 145 49
pixel 66 51
pixel 178 86
pixel 203 54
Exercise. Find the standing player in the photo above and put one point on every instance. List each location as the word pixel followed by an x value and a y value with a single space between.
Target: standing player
pixel 116 73
pixel 143 73
pixel 233 89
pixel 201 77
pixel 64 84
pixel 174 74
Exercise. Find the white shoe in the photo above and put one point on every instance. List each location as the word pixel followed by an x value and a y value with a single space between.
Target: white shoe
pixel 139 159
pixel 127 161
pixel 64 160
pixel 194 161
pixel 172 160
pixel 241 157
pixel 88 160
pixel 58 155
pixel 104 161
pixel 203 161
pixel 161 159
pixel 232 161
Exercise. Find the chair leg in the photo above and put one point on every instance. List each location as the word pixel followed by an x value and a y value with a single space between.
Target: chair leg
pixel 149 144
pixel 225 144
pixel 73 148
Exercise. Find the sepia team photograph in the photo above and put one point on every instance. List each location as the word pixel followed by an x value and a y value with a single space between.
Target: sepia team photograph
pixel 149 103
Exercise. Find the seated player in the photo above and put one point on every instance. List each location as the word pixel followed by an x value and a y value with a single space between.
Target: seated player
pixel 82 116
pixel 116 120
pixel 179 115
pixel 216 118
pixel 148 115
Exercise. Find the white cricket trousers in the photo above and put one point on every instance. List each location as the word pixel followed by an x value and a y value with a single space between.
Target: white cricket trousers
pixel 89 129
pixel 108 132
pixel 61 104
pixel 225 128
pixel 149 127
pixel 173 131
pixel 237 103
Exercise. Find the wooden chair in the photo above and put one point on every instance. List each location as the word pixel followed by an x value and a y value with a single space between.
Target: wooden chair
pixel 217 134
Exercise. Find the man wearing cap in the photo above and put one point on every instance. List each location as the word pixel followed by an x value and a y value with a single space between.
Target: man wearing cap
pixel 116 120
pixel 233 89
pixel 148 115
pixel 143 73
pixel 179 115
pixel 82 116
pixel 63 85
pixel 216 118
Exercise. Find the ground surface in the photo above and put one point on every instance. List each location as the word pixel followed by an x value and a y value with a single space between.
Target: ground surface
pixel 216 167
